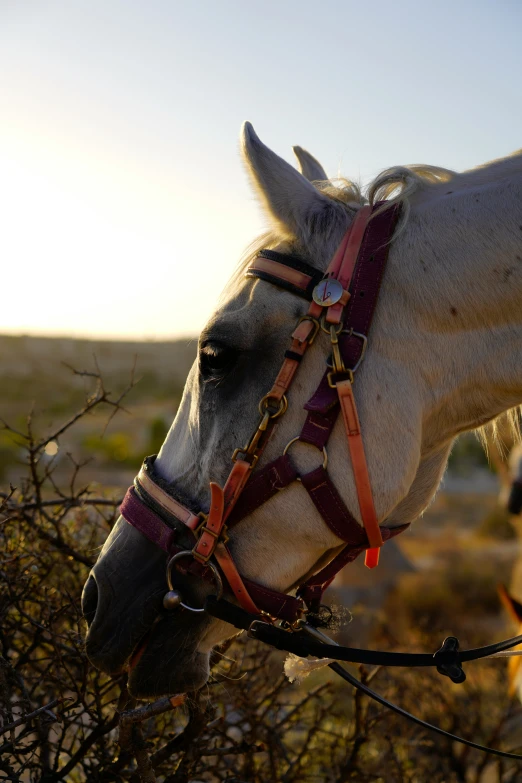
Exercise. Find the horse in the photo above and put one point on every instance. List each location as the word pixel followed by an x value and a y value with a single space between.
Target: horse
pixel 444 358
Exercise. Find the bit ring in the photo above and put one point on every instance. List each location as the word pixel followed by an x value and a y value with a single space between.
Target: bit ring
pixel 215 573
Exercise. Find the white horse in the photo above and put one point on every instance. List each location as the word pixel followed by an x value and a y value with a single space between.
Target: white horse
pixel 445 356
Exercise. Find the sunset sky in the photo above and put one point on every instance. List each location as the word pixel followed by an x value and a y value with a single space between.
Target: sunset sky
pixel 124 204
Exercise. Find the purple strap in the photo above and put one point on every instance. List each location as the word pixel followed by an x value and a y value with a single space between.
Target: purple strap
pixel 364 290
pixel 262 486
pixel 331 507
pixel 312 590
pixel 140 516
pixel 318 426
pixel 286 607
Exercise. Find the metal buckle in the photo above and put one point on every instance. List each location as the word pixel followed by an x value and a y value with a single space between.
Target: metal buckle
pixel 283 405
pixel 237 452
pixel 332 375
pixel 221 536
pixel 351 333
pixel 203 522
pixel 316 324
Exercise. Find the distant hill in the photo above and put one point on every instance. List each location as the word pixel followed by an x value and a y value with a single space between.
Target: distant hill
pixel 35 374
pixel 34 368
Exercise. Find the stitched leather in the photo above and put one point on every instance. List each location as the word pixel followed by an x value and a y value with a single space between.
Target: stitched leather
pixel 136 513
pixel 359 464
pixel 348 260
pixel 234 579
pixel 262 486
pixel 331 506
pixel 281 272
pixel 167 502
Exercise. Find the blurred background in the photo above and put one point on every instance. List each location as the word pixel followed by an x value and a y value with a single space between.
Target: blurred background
pixel 123 200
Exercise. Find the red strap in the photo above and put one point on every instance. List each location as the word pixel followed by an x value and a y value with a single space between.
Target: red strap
pixel 349 258
pixel 234 485
pixel 234 579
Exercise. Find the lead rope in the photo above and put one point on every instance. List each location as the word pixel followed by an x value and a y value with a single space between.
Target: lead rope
pixel 360 686
pixel 447 660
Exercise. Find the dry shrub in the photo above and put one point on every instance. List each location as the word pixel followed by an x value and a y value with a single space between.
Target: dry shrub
pixel 61 720
pixel 435 601
pixel 497 525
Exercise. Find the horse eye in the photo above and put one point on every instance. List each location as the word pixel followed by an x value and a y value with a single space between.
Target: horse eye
pixel 216 359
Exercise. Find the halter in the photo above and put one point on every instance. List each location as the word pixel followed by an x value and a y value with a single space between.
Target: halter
pixel 342 304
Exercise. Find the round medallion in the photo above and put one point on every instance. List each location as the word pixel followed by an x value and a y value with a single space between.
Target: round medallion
pixel 327 292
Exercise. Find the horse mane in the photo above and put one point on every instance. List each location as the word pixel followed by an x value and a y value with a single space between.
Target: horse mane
pixel 394 185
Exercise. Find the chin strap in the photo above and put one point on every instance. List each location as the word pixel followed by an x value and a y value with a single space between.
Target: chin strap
pixel 309 640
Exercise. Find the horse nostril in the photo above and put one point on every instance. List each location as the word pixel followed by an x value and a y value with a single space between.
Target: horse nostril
pixel 90 599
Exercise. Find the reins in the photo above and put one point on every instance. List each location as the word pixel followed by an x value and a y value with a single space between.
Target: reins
pixel 342 304
pixel 311 641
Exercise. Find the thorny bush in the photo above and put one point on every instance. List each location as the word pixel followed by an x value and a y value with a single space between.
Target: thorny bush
pixel 61 720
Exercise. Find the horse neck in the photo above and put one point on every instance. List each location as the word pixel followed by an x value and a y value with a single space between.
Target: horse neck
pixel 457 274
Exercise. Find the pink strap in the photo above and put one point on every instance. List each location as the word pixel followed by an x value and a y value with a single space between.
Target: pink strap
pixel 349 258
pixel 167 502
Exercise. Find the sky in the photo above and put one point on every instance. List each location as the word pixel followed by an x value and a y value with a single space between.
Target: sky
pixel 124 204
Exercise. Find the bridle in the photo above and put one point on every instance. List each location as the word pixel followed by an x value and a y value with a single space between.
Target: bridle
pixel 345 316
pixel 342 304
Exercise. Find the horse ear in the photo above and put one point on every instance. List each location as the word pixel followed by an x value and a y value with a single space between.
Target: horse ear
pixel 289 197
pixel 309 166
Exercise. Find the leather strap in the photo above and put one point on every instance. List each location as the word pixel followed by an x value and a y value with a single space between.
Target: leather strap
pixel 331 506
pixel 348 260
pixel 312 590
pixel 233 577
pixel 213 527
pixel 167 502
pixel 288 272
pixel 360 471
pixel 266 483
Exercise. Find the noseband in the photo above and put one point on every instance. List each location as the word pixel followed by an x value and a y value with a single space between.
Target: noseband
pixel 342 304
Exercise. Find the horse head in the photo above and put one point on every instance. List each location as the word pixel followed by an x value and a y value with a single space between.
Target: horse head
pixel 407 392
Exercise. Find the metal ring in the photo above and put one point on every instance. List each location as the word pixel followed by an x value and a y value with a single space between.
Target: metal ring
pixel 283 405
pixel 362 337
pixel 325 453
pixel 215 574
pixel 322 322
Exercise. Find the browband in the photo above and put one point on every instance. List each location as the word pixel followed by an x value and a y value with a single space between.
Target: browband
pixel 288 272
